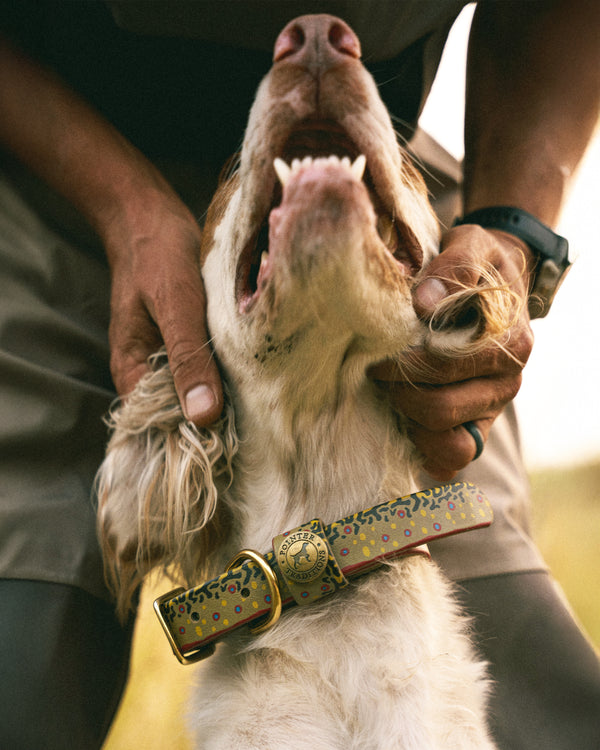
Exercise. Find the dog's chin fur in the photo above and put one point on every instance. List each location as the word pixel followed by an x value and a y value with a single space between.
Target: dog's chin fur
pixel 387 663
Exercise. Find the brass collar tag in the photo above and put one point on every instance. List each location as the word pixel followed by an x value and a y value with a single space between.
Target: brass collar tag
pixel 307 563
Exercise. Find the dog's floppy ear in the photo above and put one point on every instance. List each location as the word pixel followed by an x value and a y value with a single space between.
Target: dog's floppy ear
pixel 475 317
pixel 159 485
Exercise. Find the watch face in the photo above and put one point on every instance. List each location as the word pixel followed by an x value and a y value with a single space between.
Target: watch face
pixel 548 278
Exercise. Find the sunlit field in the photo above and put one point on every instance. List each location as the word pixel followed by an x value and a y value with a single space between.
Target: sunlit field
pixel 566 506
pixel 566 514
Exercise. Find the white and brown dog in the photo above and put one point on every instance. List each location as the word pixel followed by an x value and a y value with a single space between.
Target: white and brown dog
pixel 309 253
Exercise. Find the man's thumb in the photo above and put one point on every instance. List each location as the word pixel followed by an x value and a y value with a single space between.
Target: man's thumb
pixel 428 294
pixel 198 384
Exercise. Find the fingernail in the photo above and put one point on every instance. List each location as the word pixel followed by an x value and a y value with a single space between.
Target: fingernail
pixel 430 292
pixel 199 401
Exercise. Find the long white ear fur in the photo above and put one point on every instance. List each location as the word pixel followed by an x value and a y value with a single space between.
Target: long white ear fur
pixel 160 487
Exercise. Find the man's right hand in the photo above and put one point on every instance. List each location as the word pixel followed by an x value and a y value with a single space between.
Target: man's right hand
pixel 151 239
pixel 158 297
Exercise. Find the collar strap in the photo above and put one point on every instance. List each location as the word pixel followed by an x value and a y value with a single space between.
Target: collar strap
pixel 311 562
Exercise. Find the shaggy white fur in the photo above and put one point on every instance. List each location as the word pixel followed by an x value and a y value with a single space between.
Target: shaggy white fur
pixel 387 662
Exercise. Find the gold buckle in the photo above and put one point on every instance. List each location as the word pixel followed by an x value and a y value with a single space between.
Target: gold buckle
pixel 271 578
pixel 205 651
pixel 202 653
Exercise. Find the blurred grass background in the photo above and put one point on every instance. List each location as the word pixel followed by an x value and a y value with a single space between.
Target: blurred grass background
pixel 566 521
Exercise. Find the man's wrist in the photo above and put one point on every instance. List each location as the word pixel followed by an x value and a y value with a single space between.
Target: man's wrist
pixel 550 250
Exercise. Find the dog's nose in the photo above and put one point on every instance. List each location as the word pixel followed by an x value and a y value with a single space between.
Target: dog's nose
pixel 316 42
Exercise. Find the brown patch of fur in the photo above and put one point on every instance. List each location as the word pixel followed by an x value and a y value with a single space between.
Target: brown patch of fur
pixel 215 213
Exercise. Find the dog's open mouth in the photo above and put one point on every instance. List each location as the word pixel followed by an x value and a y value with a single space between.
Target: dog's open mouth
pixel 309 144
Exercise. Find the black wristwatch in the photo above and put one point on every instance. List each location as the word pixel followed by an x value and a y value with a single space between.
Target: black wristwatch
pixel 550 250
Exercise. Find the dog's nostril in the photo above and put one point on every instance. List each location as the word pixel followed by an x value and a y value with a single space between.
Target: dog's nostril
pixel 290 41
pixel 297 37
pixel 343 39
pixel 316 40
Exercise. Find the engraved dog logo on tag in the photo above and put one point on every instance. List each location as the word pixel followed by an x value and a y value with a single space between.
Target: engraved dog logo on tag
pixel 302 556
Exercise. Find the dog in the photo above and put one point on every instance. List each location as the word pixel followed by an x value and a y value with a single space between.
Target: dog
pixel 310 249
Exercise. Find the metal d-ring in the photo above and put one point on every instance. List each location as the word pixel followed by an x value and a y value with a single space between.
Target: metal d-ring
pixel 271 578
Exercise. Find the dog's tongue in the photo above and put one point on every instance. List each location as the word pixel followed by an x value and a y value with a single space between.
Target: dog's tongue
pixel 319 197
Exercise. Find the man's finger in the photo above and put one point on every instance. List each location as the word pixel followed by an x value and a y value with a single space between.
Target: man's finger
pixel 447 452
pixel 443 408
pixel 133 338
pixel 195 372
pixel 198 384
pixel 419 367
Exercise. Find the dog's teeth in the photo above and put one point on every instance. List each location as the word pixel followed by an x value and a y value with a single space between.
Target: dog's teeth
pixel 387 232
pixel 283 171
pixel 385 228
pixel 358 166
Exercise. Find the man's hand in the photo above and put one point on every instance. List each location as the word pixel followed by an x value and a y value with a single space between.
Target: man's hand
pixel 158 296
pixel 441 393
pixel 531 106
pixel 151 239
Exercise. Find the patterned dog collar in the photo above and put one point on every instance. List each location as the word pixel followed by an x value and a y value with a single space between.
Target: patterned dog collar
pixel 311 562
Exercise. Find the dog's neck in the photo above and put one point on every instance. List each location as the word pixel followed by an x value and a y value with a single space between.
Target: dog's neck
pixel 300 458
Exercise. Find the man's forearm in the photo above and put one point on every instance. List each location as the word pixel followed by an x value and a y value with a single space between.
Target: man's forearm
pixel 65 142
pixel 150 236
pixel 533 93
